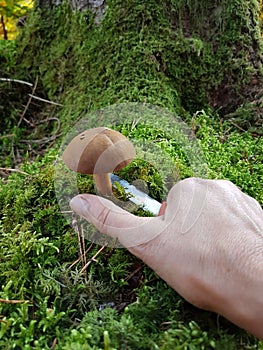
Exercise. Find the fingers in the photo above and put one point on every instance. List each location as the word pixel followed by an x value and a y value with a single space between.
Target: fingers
pixel 186 202
pixel 112 220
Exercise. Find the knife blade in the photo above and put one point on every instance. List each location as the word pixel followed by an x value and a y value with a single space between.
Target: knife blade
pixel 138 197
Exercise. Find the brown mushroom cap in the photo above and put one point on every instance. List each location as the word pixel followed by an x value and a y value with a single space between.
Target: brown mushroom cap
pixel 98 150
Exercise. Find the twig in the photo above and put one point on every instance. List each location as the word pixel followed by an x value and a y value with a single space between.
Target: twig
pixel 54 344
pixel 260 100
pixel 27 105
pixel 237 126
pixel 44 140
pixel 17 81
pixel 84 260
pixel 93 258
pixel 44 100
pixel 48 120
pixel 133 273
pixel 134 123
pixel 80 258
pixel 14 170
pixel 3 320
pixel 7 136
pixel 81 242
pixel 53 279
pixel 15 301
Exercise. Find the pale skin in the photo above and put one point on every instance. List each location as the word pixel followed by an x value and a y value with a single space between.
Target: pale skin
pixel 207 244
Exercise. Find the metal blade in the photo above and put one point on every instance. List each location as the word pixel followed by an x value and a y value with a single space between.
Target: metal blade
pixel 138 197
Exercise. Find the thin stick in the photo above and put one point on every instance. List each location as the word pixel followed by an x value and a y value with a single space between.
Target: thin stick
pixel 44 100
pixel 14 170
pixel 14 301
pixel 84 260
pixel 133 273
pixel 7 136
pixel 42 141
pixel 77 227
pixel 17 81
pixel 27 105
pixel 237 126
pixel 54 344
pixel 93 258
pixel 76 261
pixel 50 119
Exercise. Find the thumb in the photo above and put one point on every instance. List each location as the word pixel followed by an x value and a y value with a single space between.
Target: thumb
pixel 112 220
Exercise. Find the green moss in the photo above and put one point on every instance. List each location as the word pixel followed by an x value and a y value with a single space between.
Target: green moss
pixel 142 52
pixel 183 56
pixel 32 268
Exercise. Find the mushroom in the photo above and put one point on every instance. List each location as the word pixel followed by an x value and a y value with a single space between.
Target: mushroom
pixel 99 151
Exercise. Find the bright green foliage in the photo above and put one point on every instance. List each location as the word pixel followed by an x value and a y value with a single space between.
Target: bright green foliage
pixel 232 155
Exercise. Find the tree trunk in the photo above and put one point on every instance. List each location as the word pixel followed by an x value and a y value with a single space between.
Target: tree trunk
pixel 96 6
pixel 183 55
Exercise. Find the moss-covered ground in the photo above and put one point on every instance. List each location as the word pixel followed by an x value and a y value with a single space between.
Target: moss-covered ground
pixel 206 71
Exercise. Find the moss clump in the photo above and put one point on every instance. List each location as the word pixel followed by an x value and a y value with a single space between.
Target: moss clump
pixel 173 54
pixel 117 300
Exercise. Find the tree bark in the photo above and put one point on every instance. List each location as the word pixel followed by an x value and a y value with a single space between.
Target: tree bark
pixel 209 53
pixel 98 7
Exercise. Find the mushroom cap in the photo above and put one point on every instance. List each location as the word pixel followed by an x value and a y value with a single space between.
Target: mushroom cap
pixel 98 150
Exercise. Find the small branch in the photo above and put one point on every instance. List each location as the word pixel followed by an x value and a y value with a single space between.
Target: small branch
pixel 16 81
pixel 8 136
pixel 53 279
pixel 14 301
pixel 44 100
pixel 133 273
pixel 237 126
pixel 14 171
pixel 54 344
pixel 46 139
pixel 27 105
pixel 42 141
pixel 93 258
pixel 80 258
pixel 81 242
pixel 49 120
pixel 83 247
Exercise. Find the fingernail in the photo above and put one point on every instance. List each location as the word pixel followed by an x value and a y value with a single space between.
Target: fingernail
pixel 80 205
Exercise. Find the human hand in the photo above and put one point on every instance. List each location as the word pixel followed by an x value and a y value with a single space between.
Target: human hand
pixel 208 245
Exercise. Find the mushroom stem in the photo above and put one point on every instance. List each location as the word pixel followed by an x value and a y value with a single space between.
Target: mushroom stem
pixel 103 183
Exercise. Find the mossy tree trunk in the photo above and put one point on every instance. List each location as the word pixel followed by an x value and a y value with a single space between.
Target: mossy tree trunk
pixel 211 51
pixel 183 55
